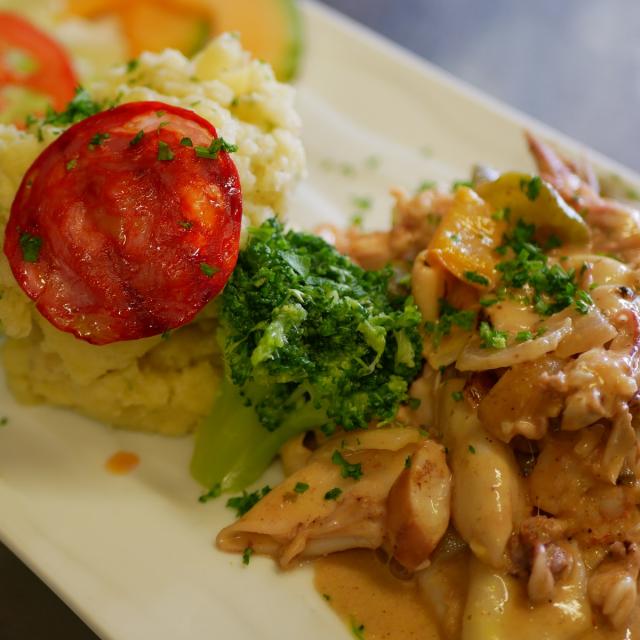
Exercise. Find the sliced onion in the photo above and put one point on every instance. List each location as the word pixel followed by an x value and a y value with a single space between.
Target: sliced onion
pixel 474 357
pixel 588 331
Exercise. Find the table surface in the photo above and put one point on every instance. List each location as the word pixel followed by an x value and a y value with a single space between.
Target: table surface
pixel 573 64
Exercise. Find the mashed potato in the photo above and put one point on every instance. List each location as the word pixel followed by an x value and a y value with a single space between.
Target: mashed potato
pixel 155 385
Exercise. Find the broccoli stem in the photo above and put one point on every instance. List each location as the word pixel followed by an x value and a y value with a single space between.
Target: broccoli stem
pixel 233 449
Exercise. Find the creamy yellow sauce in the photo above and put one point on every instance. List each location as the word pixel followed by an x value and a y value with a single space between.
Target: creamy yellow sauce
pixel 377 606
pixel 362 591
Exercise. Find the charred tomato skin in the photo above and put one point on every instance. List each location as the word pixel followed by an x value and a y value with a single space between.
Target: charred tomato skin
pixel 120 229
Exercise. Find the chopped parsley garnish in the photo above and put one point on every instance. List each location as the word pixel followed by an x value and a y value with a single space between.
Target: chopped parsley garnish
pixel 98 139
pixel 301 487
pixel 164 151
pixel 4 421
pixel 552 288
pixel 333 494
pixel 531 188
pixel 72 164
pixel 461 183
pixel 491 338
pixel 426 185
pixel 217 145
pixel 407 462
pixel 136 139
pixel 457 396
pixel 30 246
pixel 246 555
pixel 476 278
pixel 213 493
pixel 357 630
pixel 185 224
pixel 208 270
pixel 186 142
pixel 501 214
pixel 362 202
pixel 414 403
pixel 472 449
pixel 160 113
pixel 132 65
pixel 524 336
pixel 247 501
pixel 327 597
pixel 348 470
pixel 449 317
pixel 81 106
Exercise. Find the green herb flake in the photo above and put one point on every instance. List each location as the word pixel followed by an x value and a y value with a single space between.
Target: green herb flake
pixel 30 246
pixel 4 421
pixel 217 145
pixel 553 287
pixel 327 597
pixel 531 188
pixel 461 183
pixel 426 185
pixel 164 151
pixel 457 396
pixel 449 317
pixel 476 278
pixel 414 403
pixel 472 449
pixel 72 164
pixel 491 338
pixel 245 502
pixel 348 470
pixel 364 203
pixel 524 336
pixel 208 270
pixel 160 113
pixel 246 556
pixel 136 139
pixel 372 162
pixel 357 630
pixel 80 107
pixel 132 65
pixel 214 492
pixel 186 142
pixel 407 462
pixel 301 487
pixel 333 494
pixel 185 224
pixel 98 139
pixel 501 214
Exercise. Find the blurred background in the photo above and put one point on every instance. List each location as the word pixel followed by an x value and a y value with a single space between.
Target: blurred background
pixel 575 64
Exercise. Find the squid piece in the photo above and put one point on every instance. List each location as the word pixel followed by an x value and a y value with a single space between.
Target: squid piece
pixel 418 506
pixel 498 606
pixel 317 510
pixel 427 287
pixel 443 585
pixel 613 586
pixel 488 498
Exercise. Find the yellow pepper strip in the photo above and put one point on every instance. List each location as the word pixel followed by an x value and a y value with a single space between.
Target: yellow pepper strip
pixel 536 202
pixel 465 241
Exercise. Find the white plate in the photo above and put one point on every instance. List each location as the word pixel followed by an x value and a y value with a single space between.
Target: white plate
pixel 133 555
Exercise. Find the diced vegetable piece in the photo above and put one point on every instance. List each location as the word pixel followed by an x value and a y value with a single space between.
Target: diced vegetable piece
pixel 466 239
pixel 536 202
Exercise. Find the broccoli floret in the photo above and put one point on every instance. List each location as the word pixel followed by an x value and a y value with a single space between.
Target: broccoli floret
pixel 310 340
